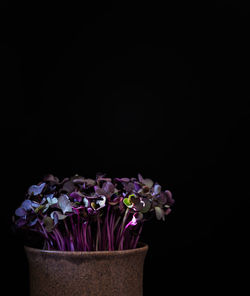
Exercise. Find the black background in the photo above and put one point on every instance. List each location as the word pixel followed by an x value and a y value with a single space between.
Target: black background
pixel 128 88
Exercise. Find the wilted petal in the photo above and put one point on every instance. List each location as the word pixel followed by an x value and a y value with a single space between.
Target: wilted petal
pixel 36 189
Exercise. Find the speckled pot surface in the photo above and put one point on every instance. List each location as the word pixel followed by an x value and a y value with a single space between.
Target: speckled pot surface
pixel 104 273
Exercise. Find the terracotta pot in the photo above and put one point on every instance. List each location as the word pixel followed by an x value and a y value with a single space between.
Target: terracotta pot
pixel 104 273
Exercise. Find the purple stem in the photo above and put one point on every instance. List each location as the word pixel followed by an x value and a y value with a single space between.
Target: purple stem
pixel 89 238
pixel 138 236
pixel 122 229
pixel 72 248
pixel 108 229
pixel 60 238
pixel 98 233
pixel 85 244
pixel 112 229
pixel 78 232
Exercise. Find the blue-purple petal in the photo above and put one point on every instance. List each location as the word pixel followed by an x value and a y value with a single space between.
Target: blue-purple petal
pixel 27 205
pixel 20 212
pixel 36 189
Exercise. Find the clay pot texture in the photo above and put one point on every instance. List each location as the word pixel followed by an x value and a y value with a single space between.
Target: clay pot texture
pixel 104 273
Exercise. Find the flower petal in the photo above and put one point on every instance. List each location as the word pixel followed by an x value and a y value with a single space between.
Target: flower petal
pixel 140 178
pixel 85 202
pixel 99 190
pixel 27 205
pixel 68 187
pixel 157 189
pixel 148 182
pixel 108 187
pixel 101 202
pixel 137 186
pixel 36 189
pixel 20 212
pixel 64 203
pixel 159 212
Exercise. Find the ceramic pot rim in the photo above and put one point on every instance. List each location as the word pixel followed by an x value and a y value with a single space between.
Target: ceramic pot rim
pixel 142 247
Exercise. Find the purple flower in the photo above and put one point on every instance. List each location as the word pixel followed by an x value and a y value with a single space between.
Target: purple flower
pixel 24 208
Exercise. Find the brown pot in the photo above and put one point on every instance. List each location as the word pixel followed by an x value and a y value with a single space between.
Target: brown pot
pixel 104 273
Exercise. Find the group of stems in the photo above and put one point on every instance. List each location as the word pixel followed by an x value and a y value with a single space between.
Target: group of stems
pixel 107 230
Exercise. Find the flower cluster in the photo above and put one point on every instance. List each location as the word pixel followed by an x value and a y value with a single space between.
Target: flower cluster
pixel 82 214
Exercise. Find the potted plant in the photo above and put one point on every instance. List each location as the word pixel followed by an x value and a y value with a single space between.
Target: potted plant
pixel 82 235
